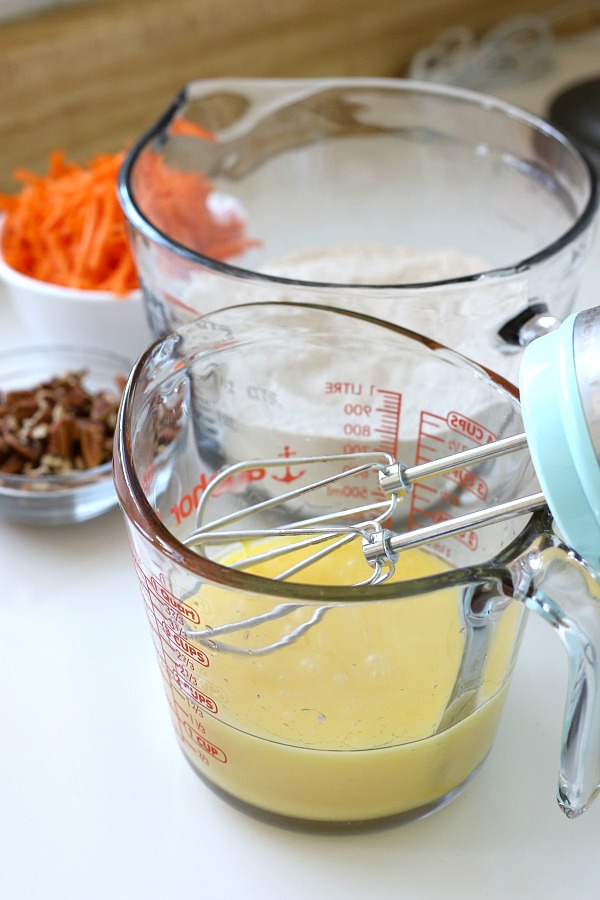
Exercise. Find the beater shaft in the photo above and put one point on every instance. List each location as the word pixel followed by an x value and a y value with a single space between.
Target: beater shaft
pixel 385 545
pixel 399 477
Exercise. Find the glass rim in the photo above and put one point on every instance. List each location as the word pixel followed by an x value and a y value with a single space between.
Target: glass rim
pixel 485 102
pixel 141 516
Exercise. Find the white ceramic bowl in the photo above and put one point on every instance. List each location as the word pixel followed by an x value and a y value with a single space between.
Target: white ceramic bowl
pixel 53 314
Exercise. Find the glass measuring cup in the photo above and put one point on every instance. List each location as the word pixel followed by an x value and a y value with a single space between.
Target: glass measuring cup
pixel 322 704
pixel 441 210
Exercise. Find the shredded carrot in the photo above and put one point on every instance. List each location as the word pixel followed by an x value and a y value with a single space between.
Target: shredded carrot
pixel 191 129
pixel 176 202
pixel 67 227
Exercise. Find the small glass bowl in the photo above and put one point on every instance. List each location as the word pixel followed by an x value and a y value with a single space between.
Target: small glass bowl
pixel 77 496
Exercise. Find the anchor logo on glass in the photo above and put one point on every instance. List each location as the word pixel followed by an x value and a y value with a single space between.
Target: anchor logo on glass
pixel 189 501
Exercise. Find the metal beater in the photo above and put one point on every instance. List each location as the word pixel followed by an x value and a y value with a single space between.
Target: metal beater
pixel 560 400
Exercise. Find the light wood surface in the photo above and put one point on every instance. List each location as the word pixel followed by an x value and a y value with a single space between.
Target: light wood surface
pixel 93 77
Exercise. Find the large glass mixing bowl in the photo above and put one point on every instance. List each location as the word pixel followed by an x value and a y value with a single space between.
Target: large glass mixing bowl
pixel 442 210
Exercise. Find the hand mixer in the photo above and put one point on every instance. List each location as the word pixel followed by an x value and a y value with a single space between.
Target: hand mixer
pixel 560 401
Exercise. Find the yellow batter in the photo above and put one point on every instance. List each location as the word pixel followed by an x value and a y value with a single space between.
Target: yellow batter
pixel 348 722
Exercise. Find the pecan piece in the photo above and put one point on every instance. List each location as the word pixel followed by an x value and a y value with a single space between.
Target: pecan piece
pixel 61 433
pixel 91 441
pixel 12 464
pixel 23 449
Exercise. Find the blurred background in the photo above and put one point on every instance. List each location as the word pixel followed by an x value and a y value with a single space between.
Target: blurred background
pixel 90 75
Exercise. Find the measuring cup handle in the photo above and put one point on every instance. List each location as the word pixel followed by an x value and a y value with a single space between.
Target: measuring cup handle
pixel 565 591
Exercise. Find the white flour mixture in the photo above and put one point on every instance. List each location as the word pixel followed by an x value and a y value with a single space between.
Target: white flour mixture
pixel 371 263
pixel 413 288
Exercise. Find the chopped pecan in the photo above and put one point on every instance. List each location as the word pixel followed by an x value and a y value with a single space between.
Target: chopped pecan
pixel 61 433
pixel 22 448
pixel 24 407
pixel 104 408
pixel 12 464
pixel 77 399
pixel 58 426
pixel 91 442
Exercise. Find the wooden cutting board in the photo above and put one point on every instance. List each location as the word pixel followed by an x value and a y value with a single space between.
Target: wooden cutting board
pixel 92 77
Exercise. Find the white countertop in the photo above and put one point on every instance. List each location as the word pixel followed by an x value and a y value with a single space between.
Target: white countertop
pixel 98 803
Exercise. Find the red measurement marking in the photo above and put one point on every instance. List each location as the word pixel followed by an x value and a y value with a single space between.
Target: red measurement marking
pixel 184 700
pixel 470 429
pixel 470 481
pixel 168 632
pixel 184 709
pixel 343 388
pixel 193 693
pixel 388 407
pixel 205 745
pixel 155 588
pixel 469 539
pixel 190 650
pixel 429 437
pixel 434 442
